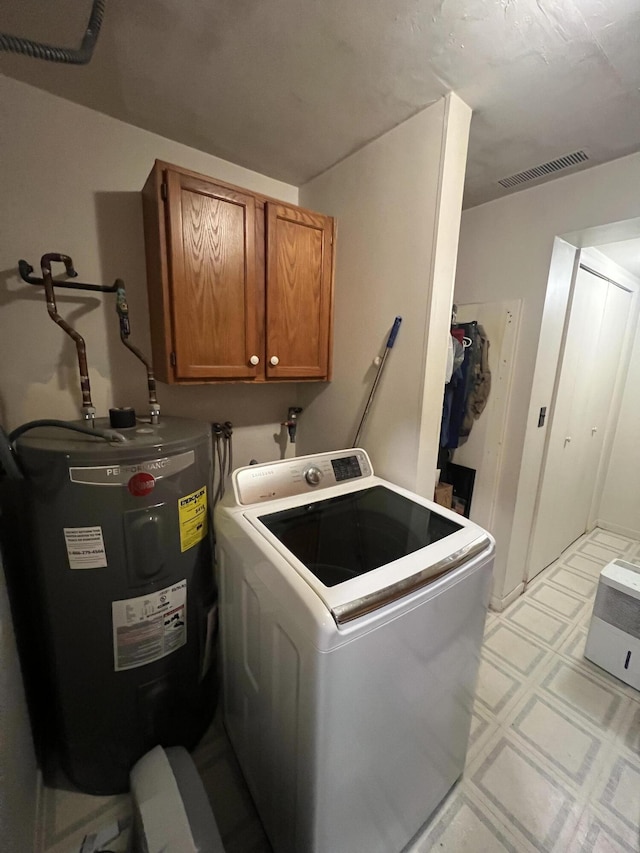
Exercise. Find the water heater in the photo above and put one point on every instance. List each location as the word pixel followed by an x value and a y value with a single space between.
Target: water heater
pixel 121 539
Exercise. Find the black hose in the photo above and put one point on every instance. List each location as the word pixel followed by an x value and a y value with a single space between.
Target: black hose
pixel 228 432
pixel 40 50
pixel 221 464
pixel 8 463
pixel 105 434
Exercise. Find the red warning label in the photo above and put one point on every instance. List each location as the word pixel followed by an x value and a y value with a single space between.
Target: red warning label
pixel 141 484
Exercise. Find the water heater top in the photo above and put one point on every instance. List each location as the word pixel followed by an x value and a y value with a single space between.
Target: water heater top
pixel 171 435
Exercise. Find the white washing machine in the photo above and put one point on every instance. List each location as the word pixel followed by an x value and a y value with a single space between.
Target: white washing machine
pixel 352 614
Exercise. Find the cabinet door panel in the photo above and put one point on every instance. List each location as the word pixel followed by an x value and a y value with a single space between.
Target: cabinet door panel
pixel 298 292
pixel 213 279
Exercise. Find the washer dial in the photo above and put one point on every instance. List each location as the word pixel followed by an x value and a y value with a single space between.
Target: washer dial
pixel 313 475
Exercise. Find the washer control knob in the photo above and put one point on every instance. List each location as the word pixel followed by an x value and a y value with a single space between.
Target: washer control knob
pixel 254 360
pixel 313 475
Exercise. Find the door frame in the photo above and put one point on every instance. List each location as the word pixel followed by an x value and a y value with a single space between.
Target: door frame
pixel 525 471
pixel 597 264
pixel 565 256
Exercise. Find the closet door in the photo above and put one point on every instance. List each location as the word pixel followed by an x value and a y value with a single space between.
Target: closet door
pixel 584 389
pixel 600 382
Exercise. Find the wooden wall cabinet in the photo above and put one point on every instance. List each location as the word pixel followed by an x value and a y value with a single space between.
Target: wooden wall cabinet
pixel 240 285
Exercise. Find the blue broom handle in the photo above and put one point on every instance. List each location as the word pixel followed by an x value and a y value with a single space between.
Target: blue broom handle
pixel 390 342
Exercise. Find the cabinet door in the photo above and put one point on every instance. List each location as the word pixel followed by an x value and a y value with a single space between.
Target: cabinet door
pixel 212 280
pixel 299 292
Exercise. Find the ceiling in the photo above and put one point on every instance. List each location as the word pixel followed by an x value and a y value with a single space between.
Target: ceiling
pixel 290 87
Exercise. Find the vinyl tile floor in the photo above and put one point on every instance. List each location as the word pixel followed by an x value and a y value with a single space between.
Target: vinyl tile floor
pixel 554 751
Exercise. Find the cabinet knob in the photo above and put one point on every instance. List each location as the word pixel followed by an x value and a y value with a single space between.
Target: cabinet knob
pixel 254 360
pixel 274 360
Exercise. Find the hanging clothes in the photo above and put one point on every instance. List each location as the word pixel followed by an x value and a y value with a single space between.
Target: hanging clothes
pixel 468 388
pixel 450 355
pixel 479 384
pixel 457 337
pixel 453 379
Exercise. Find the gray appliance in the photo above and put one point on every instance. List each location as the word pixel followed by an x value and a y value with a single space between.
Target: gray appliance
pixel 122 572
pixel 115 598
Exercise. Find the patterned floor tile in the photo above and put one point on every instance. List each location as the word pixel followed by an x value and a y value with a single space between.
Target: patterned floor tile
pixel 582 563
pixel 621 793
pixel 465 827
pixel 629 732
pixel 583 694
pixel 595 834
pixel 520 652
pixel 565 605
pixel 572 581
pixel 545 626
pixel 574 643
pixel 524 793
pixel 559 737
pixel 479 725
pixel 496 687
pixel 483 728
pixel 596 552
pixel 490 621
pixel 617 543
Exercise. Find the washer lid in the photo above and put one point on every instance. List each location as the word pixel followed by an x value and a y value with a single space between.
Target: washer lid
pixel 365 547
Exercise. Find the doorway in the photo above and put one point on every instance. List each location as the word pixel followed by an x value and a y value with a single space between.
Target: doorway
pixel 581 412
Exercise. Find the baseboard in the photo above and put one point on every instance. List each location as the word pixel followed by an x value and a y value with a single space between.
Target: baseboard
pixel 38 834
pixel 499 604
pixel 629 532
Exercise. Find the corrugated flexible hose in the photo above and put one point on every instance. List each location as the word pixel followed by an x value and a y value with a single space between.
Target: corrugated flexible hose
pixel 40 50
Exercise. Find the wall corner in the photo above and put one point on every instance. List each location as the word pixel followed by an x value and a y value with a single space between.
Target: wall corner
pixel 453 162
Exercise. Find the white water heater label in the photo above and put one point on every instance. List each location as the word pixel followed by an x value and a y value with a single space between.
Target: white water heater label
pixel 85 547
pixel 149 627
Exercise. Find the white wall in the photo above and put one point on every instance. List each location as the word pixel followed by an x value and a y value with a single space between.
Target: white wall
pixel 505 253
pixel 398 203
pixel 71 181
pixel 18 772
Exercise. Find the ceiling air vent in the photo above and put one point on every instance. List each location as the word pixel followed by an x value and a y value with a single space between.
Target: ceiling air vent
pixel 545 169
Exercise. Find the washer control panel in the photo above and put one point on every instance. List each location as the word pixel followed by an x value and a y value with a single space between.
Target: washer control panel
pixel 301 475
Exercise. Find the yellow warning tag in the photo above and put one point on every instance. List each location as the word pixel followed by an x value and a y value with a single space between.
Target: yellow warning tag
pixel 192 512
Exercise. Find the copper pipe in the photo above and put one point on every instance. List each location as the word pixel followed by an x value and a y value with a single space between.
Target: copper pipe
pixel 47 278
pixel 122 308
pixel 151 380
